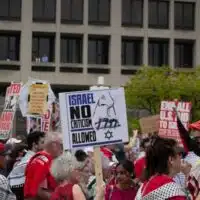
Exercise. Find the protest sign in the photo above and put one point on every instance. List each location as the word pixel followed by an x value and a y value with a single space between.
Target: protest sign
pixel 150 124
pixel 35 123
pixel 38 98
pixel 46 119
pixel 93 118
pixel 7 116
pixel 168 120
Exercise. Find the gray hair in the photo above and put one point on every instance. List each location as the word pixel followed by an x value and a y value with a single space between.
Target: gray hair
pixel 51 137
pixel 63 166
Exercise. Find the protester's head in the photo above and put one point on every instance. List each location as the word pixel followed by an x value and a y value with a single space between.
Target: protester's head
pixel 81 155
pixel 144 144
pixel 66 167
pixel 18 150
pixel 196 136
pixel 35 141
pixel 185 167
pixel 86 163
pixel 124 172
pixel 2 155
pixel 163 157
pixel 53 144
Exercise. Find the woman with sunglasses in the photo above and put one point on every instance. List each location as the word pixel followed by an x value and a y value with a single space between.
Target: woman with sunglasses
pixel 163 162
pixel 124 187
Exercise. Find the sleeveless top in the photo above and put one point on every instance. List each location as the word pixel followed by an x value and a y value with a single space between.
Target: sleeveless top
pixel 63 192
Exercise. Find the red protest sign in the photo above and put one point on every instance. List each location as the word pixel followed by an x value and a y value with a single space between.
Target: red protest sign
pixel 46 121
pixel 7 116
pixel 168 120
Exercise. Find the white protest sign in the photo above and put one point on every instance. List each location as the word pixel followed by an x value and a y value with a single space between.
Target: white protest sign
pixel 93 118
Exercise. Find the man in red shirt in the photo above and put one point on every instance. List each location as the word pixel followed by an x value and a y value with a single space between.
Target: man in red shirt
pixel 39 183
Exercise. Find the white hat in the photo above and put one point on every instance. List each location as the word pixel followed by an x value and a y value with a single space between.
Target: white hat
pixel 13 141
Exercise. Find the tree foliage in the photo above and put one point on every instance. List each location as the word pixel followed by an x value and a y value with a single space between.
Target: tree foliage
pixel 150 85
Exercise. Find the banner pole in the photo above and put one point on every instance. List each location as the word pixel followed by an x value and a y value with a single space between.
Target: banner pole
pixel 97 151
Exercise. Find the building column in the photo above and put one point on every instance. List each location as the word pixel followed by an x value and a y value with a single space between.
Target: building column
pixel 145 25
pixel 57 37
pixel 26 40
pixel 171 27
pixel 197 29
pixel 85 37
pixel 115 42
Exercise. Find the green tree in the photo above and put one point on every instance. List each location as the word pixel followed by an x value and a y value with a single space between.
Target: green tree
pixel 150 85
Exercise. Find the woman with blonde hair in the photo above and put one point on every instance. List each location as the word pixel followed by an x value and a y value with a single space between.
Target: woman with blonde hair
pixel 67 172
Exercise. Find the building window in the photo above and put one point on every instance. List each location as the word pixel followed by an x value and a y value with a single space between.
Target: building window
pixel 184 51
pixel 10 46
pixel 98 50
pixel 158 52
pixel 43 47
pixel 72 11
pixel 158 14
pixel 132 13
pixel 99 12
pixel 44 10
pixel 131 51
pixel 184 15
pixel 10 10
pixel 71 49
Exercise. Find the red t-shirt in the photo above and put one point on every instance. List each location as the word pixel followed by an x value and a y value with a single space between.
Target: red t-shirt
pixel 114 193
pixel 38 175
pixel 139 167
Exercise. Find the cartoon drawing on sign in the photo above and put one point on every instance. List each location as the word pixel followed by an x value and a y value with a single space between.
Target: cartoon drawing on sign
pixel 10 103
pixel 104 116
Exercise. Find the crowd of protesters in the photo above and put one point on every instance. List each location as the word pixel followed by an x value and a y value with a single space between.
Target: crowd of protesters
pixel 38 168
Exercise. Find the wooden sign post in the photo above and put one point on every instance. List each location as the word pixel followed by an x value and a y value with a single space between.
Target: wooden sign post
pixel 97 151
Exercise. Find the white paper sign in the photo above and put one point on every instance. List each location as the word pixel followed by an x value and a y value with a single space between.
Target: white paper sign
pixel 93 118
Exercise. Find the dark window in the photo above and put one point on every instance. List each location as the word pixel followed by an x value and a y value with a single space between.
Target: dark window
pixel 44 10
pixel 184 54
pixel 158 52
pixel 10 10
pixel 99 12
pixel 132 13
pixel 98 50
pixel 72 11
pixel 71 49
pixel 10 46
pixel 43 47
pixel 131 51
pixel 184 15
pixel 158 14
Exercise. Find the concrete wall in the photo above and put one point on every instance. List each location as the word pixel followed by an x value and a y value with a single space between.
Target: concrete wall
pixel 115 78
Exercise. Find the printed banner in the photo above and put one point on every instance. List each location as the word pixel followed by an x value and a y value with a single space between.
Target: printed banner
pixel 93 118
pixel 7 116
pixel 35 98
pixel 38 99
pixel 168 120
pixel 39 123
